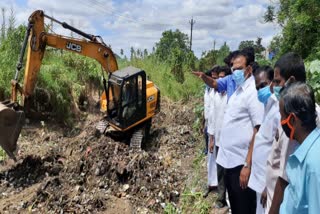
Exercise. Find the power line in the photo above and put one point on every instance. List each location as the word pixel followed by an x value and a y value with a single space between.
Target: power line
pixel 100 6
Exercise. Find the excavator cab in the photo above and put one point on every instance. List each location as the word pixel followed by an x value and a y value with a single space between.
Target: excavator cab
pixel 126 104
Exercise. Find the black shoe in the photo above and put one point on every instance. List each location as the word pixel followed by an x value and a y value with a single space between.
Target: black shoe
pixel 206 193
pixel 220 205
pixel 205 152
pixel 209 189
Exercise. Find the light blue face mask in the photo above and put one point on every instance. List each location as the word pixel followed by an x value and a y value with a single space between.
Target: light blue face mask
pixel 238 77
pixel 276 91
pixel 264 94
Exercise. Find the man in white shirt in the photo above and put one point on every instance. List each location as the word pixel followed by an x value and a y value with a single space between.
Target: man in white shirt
pixel 211 159
pixel 266 134
pixel 220 102
pixel 242 118
pixel 213 73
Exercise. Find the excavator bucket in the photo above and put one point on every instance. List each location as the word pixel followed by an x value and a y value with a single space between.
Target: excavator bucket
pixel 11 122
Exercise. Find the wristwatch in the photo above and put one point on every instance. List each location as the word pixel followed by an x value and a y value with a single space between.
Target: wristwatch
pixel 246 165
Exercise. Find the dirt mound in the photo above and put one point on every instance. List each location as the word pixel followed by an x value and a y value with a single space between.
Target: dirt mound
pixel 86 174
pixel 30 171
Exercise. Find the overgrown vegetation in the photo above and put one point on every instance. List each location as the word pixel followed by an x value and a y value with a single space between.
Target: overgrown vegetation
pixel 299 21
pixel 300 33
pixel 313 76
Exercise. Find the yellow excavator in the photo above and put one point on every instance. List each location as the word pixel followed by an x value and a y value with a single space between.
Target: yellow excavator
pixel 129 100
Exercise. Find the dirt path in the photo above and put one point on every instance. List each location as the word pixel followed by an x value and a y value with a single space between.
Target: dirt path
pixel 72 171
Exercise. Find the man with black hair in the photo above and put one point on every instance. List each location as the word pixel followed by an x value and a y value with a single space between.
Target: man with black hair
pixel 229 59
pixel 220 102
pixel 240 124
pixel 288 69
pixel 249 51
pixel 267 132
pixel 298 120
pixel 213 73
pixel 211 163
pixel 255 67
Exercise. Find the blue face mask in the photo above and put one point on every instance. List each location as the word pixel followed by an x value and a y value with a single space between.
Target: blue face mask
pixel 238 77
pixel 276 91
pixel 264 94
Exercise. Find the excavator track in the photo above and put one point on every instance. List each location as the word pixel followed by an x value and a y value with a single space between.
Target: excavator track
pixel 101 127
pixel 137 138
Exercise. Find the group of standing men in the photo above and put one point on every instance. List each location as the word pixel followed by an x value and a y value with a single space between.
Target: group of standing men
pixel 263 136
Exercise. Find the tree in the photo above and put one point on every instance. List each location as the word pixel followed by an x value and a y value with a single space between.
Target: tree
pixel 12 22
pixel 246 44
pixel 138 52
pixel 169 41
pixel 145 53
pixel 173 48
pixel 256 45
pixel 269 15
pixel 132 53
pixel 121 52
pixel 275 43
pixel 258 48
pixel 207 60
pixel 300 22
pixel 223 52
pixel 177 61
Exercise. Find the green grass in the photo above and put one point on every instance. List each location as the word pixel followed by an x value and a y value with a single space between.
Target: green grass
pixel 170 209
pixel 3 154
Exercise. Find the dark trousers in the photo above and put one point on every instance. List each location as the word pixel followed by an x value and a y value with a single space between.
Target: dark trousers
pixel 242 201
pixel 221 184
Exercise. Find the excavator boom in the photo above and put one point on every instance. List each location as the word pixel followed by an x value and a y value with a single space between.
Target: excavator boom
pixel 39 39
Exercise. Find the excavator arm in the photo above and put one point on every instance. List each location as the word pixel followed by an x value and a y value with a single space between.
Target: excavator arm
pixel 39 39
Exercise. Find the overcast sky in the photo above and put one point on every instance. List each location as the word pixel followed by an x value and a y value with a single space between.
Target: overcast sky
pixel 124 23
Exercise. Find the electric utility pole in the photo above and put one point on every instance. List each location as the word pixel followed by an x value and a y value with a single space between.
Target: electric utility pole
pixel 192 22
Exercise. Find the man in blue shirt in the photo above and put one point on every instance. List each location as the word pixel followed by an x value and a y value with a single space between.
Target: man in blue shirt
pixel 298 120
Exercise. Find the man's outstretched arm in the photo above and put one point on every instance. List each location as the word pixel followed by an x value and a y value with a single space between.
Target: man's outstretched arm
pixel 212 83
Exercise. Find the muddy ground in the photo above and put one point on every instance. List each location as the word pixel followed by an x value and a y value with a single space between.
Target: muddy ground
pixel 72 171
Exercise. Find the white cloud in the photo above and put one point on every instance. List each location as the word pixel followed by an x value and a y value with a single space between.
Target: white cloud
pixel 140 23
pixel 218 20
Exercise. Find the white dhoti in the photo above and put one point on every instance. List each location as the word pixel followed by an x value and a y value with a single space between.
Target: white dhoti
pixel 212 169
pixel 260 209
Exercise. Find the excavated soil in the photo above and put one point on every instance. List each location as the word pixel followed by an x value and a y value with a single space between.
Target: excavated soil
pixel 72 171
